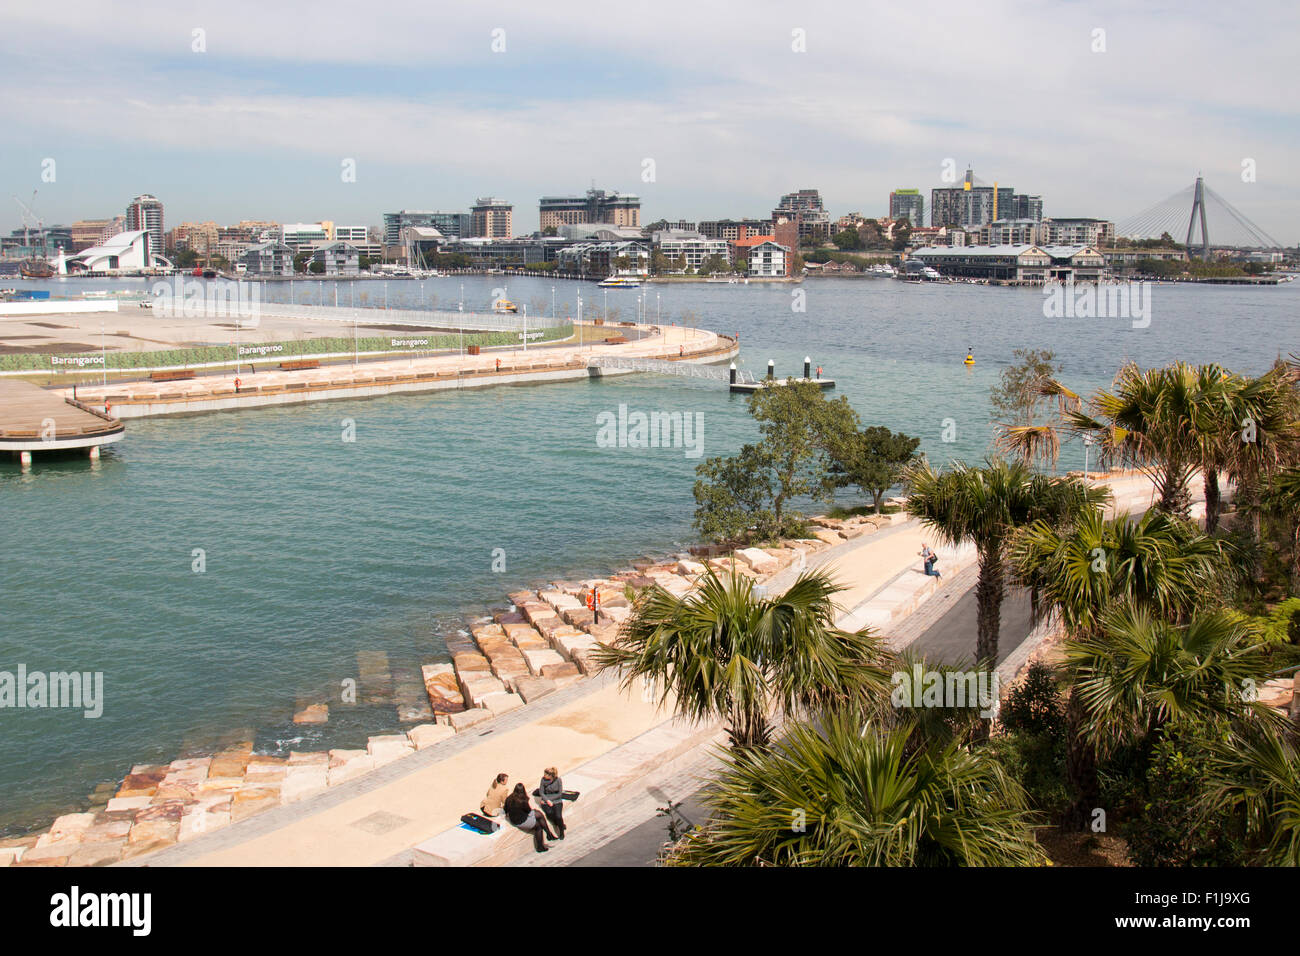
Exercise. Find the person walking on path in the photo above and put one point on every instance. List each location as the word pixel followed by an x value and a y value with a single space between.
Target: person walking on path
pixel 496 796
pixel 929 557
pixel 550 794
pixel 520 812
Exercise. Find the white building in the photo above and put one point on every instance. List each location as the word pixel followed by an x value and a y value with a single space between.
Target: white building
pixel 301 235
pixel 125 252
pixel 767 259
pixel 692 248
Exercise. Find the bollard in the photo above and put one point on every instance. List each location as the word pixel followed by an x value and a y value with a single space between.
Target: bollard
pixel 733 373
pixel 807 367
pixel 771 368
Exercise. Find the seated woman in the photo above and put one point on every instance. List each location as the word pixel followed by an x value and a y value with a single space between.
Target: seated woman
pixel 550 794
pixel 496 796
pixel 520 812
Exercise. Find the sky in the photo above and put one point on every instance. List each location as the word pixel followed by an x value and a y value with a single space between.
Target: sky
pixel 253 110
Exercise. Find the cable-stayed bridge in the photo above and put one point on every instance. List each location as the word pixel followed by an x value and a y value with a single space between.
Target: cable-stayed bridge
pixel 1196 210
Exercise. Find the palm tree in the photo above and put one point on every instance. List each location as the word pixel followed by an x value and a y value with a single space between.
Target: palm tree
pixel 1264 436
pixel 1148 421
pixel 1138 672
pixel 724 653
pixel 1282 499
pixel 1157 562
pixel 841 794
pixel 1257 774
pixel 986 505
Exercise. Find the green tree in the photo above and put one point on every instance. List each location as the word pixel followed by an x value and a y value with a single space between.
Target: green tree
pixel 732 497
pixel 300 261
pixel 550 231
pixel 840 794
pixel 986 506
pixel 798 425
pixel 316 267
pixel 847 239
pixel 873 460
pixel 724 653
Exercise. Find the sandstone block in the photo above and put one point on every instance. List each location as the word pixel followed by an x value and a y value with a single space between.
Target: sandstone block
pixel 468 718
pixel 426 735
pixel 502 703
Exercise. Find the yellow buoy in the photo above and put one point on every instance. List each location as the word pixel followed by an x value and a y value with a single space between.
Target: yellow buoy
pixel 970 359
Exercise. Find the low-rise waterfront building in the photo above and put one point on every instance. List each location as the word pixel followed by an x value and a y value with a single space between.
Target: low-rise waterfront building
pixel 603 258
pixel 1015 263
pixel 689 250
pixel 1120 260
pixel 268 259
pixel 766 257
pixel 338 258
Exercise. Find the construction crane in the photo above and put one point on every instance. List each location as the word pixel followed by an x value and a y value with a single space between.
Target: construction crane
pixel 30 218
pixel 38 266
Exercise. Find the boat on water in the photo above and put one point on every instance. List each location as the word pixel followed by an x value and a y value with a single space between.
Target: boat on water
pixel 620 282
pixel 880 269
pixel 503 306
pixel 37 267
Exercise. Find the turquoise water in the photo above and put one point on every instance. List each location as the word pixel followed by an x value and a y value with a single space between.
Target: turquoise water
pixel 317 549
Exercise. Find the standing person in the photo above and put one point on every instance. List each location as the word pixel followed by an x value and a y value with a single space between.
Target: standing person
pixel 550 794
pixel 929 557
pixel 520 812
pixel 496 796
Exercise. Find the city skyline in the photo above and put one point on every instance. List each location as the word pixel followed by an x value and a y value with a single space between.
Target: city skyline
pixel 729 113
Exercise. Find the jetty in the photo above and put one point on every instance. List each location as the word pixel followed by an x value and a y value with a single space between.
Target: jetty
pixel 34 419
pixel 744 384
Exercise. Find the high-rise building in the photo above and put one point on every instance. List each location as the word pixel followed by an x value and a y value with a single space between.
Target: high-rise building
pixel 1023 207
pixel 907 204
pixel 145 212
pixel 970 204
pixel 805 209
pixel 490 218
pixel 618 209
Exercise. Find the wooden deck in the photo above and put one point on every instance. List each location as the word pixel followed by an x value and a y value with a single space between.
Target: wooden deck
pixel 28 411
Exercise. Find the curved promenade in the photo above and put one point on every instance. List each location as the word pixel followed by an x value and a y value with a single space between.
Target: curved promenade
pixel 426 374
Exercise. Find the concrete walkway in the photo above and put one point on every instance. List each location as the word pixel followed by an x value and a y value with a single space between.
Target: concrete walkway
pixel 380 816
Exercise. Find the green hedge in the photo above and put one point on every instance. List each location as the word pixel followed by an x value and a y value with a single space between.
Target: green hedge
pixel 207 355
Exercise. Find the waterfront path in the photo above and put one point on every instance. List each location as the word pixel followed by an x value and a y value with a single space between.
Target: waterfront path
pixel 271 385
pixel 378 817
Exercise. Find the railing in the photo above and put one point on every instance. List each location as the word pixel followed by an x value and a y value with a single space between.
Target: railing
pixel 248 312
pixel 665 367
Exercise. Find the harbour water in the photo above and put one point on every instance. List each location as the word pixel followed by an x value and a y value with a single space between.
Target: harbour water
pixel 316 549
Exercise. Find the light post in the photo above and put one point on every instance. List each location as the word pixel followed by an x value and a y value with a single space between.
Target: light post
pixel 103 350
pixel 553 302
pixel 580 319
pixel 525 330
pixel 1087 442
